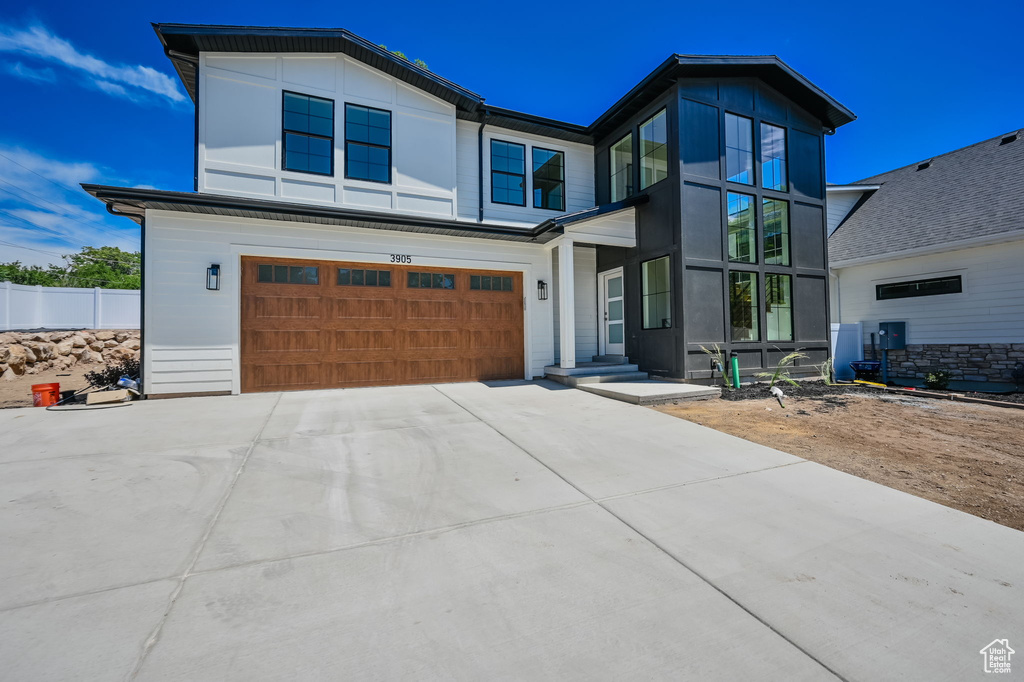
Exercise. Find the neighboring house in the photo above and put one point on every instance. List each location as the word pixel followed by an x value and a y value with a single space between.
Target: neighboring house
pixel 938 245
pixel 368 222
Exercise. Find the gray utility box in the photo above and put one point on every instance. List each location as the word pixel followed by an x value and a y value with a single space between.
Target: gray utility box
pixel 892 335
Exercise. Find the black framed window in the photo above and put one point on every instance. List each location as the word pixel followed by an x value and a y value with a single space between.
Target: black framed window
pixel 743 306
pixel 431 280
pixel 776 231
pixel 287 274
pixel 508 173
pixel 778 306
pixel 654 149
pixel 490 283
pixel 367 143
pixel 739 149
pixel 919 287
pixel 742 228
pixel 307 134
pixel 656 288
pixel 773 157
pixel 548 179
pixel 351 277
pixel 621 168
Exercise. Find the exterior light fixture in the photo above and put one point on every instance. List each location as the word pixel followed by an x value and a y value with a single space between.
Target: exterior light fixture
pixel 213 277
pixel 542 290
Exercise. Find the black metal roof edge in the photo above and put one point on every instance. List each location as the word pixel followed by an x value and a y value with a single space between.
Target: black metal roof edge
pixel 118 197
pixel 592 212
pixel 405 69
pixel 836 115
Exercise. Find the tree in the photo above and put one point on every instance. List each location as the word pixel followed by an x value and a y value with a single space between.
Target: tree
pixel 398 53
pixel 107 267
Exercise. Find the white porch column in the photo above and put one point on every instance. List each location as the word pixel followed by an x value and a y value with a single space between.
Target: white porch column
pixel 566 304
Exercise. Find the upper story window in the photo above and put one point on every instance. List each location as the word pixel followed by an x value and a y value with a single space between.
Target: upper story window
pixel 739 149
pixel 508 173
pixel 773 157
pixel 653 150
pixel 742 229
pixel 919 287
pixel 621 157
pixel 548 179
pixel 776 231
pixel 367 143
pixel 308 134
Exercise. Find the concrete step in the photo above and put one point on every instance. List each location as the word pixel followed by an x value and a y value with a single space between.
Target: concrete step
pixel 590 369
pixel 599 378
pixel 651 392
pixel 611 358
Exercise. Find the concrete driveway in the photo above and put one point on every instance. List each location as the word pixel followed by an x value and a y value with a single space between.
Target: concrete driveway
pixel 515 531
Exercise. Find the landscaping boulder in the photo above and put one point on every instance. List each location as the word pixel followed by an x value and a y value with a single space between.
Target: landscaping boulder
pixel 110 343
pixel 65 346
pixel 96 346
pixel 132 344
pixel 91 356
pixel 8 375
pixel 78 341
pixel 104 335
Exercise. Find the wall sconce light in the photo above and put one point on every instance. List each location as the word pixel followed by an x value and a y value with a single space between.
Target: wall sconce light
pixel 542 290
pixel 213 277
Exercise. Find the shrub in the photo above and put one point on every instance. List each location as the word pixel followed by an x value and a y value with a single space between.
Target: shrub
pixel 111 373
pixel 780 370
pixel 939 379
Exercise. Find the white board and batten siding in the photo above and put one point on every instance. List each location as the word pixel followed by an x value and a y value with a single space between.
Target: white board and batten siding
pixel 192 335
pixel 240 145
pixel 586 308
pixel 579 175
pixel 990 309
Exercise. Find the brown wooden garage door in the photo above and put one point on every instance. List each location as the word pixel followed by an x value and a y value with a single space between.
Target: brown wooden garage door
pixel 326 324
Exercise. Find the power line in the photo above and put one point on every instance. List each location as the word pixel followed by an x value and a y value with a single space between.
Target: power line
pixel 81 221
pixel 80 255
pixel 49 180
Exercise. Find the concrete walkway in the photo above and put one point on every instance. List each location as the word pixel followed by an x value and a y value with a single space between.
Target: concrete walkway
pixel 513 531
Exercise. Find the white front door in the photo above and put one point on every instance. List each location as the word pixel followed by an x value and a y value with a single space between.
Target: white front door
pixel 613 324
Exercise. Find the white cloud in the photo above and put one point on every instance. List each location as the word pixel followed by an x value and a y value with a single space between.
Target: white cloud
pixel 40 43
pixel 42 207
pixel 44 75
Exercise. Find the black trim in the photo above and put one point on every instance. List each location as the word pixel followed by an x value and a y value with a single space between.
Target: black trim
pixel 508 173
pixel 285 131
pixel 533 174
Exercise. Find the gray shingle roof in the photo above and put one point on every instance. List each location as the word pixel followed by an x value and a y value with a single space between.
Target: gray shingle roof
pixel 964 194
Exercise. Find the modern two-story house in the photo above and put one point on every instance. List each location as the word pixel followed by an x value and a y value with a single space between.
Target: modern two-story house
pixel 358 220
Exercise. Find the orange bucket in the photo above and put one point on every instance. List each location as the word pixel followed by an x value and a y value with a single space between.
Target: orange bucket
pixel 44 395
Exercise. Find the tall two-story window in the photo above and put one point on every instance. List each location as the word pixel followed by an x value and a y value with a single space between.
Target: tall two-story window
pixel 621 155
pixel 548 179
pixel 653 149
pixel 778 305
pixel 367 143
pixel 773 157
pixel 308 134
pixel 776 231
pixel 742 229
pixel 739 149
pixel 508 173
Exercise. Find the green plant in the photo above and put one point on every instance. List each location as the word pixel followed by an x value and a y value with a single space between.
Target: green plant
pixel 939 379
pixel 717 361
pixel 107 376
pixel 398 53
pixel 780 369
pixel 825 372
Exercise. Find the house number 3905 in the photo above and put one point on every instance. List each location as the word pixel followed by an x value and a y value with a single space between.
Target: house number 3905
pixel 399 258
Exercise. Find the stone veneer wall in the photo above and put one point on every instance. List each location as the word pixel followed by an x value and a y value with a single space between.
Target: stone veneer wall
pixel 31 352
pixel 966 362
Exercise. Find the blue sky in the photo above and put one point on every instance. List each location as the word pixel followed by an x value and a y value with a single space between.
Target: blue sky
pixel 91 98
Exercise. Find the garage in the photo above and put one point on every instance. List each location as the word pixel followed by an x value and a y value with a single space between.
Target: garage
pixel 310 324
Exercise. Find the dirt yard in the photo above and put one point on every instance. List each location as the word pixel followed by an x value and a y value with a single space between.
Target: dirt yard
pixel 18 393
pixel 969 457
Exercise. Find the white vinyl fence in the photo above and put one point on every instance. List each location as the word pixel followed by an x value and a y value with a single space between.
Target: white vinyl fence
pixel 28 307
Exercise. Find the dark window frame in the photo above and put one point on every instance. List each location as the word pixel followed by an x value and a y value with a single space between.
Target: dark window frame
pixel 628 169
pixel 505 284
pixel 645 294
pixel 391 136
pixel 754 308
pixel 752 208
pixel 285 132
pixel 376 277
pixel 522 175
pixel 289 270
pixel 533 151
pixel 432 275
pixel 663 111
pixel 760 154
pixel 955 280
pixel 768 292
pixel 753 148
pixel 785 236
